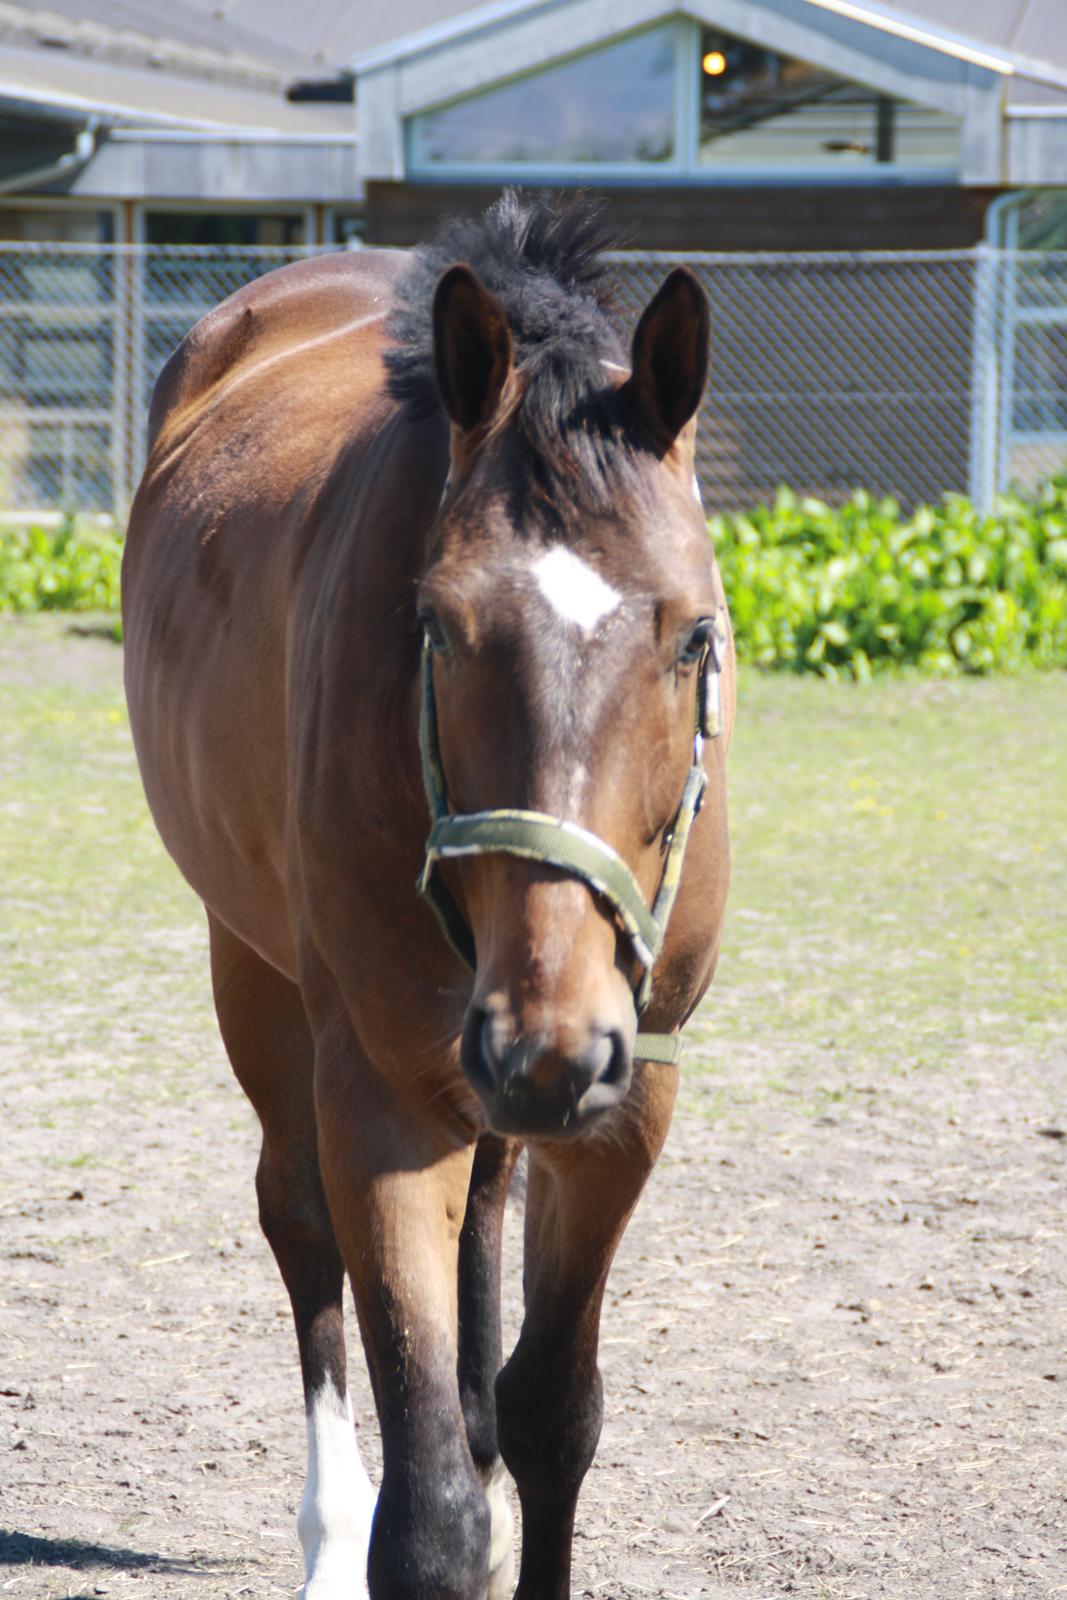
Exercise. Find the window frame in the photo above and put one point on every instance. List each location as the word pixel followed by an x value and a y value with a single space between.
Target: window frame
pixel 684 166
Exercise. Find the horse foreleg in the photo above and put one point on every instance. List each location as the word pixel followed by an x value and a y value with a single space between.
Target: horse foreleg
pixel 397 1188
pixel 549 1395
pixel 480 1354
pixel 267 1038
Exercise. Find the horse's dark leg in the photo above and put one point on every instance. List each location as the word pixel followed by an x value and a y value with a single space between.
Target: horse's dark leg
pixel 549 1406
pixel 480 1354
pixel 397 1178
pixel 266 1034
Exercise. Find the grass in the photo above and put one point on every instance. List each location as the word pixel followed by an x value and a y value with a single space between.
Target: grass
pixel 899 878
pixel 102 946
pixel 897 907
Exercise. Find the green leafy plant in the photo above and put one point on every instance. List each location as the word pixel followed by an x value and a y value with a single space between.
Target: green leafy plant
pixel 862 588
pixel 72 567
pixel 848 591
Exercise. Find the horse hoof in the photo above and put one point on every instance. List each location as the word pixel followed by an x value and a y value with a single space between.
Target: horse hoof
pixel 338 1574
pixel 502 1580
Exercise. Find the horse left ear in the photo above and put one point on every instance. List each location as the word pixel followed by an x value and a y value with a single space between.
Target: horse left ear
pixel 471 346
pixel 670 357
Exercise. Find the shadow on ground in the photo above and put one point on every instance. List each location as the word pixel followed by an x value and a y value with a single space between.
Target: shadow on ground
pixel 27 1550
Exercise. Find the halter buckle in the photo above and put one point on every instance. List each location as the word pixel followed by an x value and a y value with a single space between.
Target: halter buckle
pixel 711 679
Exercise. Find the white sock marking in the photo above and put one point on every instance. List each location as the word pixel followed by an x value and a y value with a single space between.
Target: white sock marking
pixel 572 588
pixel 338 1503
pixel 501 1539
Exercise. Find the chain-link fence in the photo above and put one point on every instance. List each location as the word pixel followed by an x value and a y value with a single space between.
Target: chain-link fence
pixel 902 373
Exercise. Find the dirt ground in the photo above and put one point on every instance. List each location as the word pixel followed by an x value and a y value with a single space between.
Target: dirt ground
pixel 833 1345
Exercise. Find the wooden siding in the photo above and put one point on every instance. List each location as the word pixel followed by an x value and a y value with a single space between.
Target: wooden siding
pixel 727 217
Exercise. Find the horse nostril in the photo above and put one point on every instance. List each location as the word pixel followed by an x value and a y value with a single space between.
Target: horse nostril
pixel 493 1060
pixel 490 1058
pixel 619 1069
pixel 598 1058
pixel 528 1083
pixel 477 1050
pixel 612 1063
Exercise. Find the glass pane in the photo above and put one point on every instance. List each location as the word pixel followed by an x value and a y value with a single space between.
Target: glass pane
pixel 221 227
pixel 615 104
pixel 1041 280
pixel 1040 391
pixel 68 225
pixel 58 464
pixel 52 279
pixel 1043 221
pixel 758 108
pixel 349 228
pixel 64 367
pixel 924 138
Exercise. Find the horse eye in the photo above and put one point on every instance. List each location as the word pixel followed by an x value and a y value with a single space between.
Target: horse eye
pixel 697 642
pixel 433 631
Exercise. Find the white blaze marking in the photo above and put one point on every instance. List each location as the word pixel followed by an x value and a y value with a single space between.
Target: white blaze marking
pixel 335 1513
pixel 697 496
pixel 573 590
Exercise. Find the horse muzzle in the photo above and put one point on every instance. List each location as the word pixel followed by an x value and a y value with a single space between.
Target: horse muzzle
pixel 530 1084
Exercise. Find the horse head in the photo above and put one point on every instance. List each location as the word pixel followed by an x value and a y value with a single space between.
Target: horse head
pixel 568 607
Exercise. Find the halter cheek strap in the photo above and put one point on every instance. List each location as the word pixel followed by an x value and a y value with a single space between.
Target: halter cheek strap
pixel 536 836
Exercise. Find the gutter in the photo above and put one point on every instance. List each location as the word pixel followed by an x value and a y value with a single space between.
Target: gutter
pixel 68 164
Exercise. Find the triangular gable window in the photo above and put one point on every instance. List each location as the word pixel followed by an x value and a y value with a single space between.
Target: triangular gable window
pixel 762 109
pixel 682 99
pixel 614 105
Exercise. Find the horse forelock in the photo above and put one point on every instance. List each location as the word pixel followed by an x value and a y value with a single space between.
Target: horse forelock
pixel 543 262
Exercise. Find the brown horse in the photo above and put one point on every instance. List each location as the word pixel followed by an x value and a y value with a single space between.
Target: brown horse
pixel 390 496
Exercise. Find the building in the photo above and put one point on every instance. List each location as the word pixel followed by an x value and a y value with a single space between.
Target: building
pixel 735 126
pixel 724 124
pixel 171 122
pixel 714 124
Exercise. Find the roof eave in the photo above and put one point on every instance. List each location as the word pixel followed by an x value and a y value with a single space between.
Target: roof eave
pixel 410 44
pixel 1005 63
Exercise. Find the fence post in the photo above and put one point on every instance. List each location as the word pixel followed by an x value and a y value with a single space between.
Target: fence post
pixel 120 398
pixel 982 474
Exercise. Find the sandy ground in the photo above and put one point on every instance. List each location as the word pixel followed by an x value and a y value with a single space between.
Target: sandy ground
pixel 833 1346
pixel 833 1355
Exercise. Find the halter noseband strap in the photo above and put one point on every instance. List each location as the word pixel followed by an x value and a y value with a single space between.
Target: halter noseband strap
pixel 537 836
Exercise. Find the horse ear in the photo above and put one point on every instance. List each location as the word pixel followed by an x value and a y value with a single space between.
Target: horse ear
pixel 472 346
pixel 670 357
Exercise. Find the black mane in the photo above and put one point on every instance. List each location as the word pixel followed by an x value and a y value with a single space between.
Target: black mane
pixel 543 262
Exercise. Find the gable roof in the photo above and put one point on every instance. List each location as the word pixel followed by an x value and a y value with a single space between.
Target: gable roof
pixel 1019 38
pixel 1024 38
pixel 180 63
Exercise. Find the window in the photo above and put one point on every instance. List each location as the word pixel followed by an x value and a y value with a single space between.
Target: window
pixel 347 228
pixel 223 227
pixel 680 100
pixel 610 105
pixel 758 108
pixel 56 225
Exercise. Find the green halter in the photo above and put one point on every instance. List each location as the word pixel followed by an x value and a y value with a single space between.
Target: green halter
pixel 538 837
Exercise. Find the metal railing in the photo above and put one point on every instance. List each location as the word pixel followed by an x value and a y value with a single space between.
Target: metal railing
pixel 903 373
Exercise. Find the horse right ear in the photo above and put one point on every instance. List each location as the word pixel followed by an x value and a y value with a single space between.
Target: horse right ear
pixel 471 346
pixel 670 358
